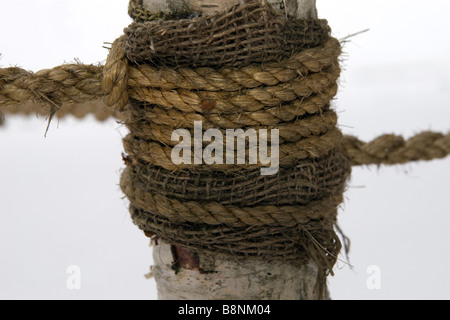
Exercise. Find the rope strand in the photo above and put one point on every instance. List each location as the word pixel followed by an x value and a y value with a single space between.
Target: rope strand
pixel 390 149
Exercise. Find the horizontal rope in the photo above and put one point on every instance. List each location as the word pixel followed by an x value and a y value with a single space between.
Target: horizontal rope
pixel 158 154
pixel 298 243
pixel 288 132
pixel 392 149
pixel 266 116
pixel 224 102
pixel 70 83
pixel 234 79
pixel 214 213
pixel 183 94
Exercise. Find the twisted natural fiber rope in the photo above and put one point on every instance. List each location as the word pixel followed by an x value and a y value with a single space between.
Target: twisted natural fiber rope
pixel 288 131
pixel 287 243
pixel 228 102
pixel 67 89
pixel 234 79
pixel 271 116
pixel 160 155
pixel 392 149
pixel 213 213
pixel 161 88
pixel 70 83
pixel 265 116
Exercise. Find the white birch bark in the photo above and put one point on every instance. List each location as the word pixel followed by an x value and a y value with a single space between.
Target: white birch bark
pixel 239 279
pixel 254 279
pixel 296 8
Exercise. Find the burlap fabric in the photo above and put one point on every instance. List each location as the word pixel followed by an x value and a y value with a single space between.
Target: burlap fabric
pixel 248 33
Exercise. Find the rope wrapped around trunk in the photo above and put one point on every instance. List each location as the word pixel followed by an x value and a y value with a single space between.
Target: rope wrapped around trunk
pixel 247 68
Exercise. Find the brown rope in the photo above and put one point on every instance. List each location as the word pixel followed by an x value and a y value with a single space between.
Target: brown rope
pixel 271 116
pixel 158 154
pixel 230 102
pixel 145 128
pixel 67 89
pixel 287 243
pixel 170 88
pixel 234 79
pixel 214 213
pixel 392 149
pixel 70 83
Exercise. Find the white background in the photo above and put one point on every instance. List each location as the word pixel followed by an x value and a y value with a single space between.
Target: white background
pixel 60 204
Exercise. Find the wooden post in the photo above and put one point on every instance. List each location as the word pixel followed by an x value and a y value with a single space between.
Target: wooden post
pixel 217 277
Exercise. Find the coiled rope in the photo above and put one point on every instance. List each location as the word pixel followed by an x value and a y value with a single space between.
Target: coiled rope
pixel 250 68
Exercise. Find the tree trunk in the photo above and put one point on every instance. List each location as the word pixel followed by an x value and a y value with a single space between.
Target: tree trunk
pixel 181 274
pixel 295 8
pixel 219 278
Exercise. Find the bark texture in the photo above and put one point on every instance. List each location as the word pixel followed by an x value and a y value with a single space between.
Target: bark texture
pixel 219 277
pixel 297 8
